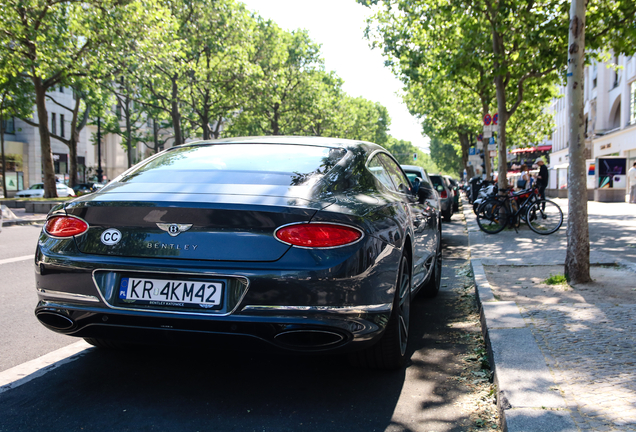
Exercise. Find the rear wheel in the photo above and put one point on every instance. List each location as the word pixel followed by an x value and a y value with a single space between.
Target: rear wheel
pixel 448 213
pixel 431 287
pixel 544 217
pixel 390 351
pixel 492 216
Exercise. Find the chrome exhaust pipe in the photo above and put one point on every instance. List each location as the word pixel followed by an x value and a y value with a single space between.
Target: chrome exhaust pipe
pixel 55 320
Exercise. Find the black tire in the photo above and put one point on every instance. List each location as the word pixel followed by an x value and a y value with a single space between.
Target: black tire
pixel 431 288
pixel 390 352
pixel 109 344
pixel 544 217
pixel 492 216
pixel 448 214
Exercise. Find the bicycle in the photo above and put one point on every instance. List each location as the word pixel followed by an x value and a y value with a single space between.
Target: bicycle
pixel 542 216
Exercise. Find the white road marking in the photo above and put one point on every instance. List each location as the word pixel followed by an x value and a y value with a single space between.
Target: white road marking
pixel 22 374
pixel 16 259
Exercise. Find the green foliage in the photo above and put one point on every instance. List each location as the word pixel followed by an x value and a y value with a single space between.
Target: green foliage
pixel 447 156
pixel 558 279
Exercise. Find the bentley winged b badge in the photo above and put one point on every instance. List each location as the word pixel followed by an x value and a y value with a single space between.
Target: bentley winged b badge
pixel 174 229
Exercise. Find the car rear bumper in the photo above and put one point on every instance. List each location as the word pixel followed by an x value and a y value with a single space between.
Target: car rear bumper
pixel 300 329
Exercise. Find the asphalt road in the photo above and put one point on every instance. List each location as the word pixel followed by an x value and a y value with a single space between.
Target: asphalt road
pixel 177 390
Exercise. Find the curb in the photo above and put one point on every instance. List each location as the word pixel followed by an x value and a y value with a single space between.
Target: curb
pixel 526 396
pixel 13 222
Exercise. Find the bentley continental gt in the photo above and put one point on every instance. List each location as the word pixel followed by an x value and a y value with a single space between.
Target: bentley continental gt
pixel 302 244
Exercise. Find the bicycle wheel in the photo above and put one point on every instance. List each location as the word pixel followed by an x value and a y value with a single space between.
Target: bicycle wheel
pixel 492 216
pixel 544 217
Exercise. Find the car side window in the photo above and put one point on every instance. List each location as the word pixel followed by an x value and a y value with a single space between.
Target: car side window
pixel 378 169
pixel 402 183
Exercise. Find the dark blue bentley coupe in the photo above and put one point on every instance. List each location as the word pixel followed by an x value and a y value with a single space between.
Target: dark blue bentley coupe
pixel 305 244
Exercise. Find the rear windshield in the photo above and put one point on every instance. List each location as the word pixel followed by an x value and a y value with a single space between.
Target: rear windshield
pixel 274 164
pixel 411 176
pixel 436 180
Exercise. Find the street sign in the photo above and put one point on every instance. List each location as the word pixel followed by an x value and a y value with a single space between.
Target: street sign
pixel 471 151
pixel 487 120
pixel 492 147
pixel 495 118
pixel 480 137
pixel 487 131
pixel 492 141
pixel 493 154
pixel 480 145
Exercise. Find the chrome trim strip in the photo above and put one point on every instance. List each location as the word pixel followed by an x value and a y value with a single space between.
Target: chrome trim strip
pixel 68 296
pixel 385 307
pixel 323 223
pixel 245 281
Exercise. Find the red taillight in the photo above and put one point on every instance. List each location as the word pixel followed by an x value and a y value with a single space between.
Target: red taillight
pixel 318 235
pixel 65 226
pixel 443 194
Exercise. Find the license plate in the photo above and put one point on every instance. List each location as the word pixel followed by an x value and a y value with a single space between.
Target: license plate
pixel 176 293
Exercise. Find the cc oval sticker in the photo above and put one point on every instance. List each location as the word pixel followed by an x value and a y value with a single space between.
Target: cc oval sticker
pixel 111 237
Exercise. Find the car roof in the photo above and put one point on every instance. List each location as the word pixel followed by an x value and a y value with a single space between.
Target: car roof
pixel 413 167
pixel 284 139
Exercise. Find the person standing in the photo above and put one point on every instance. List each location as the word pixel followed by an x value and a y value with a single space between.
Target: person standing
pixel 523 182
pixel 632 183
pixel 542 177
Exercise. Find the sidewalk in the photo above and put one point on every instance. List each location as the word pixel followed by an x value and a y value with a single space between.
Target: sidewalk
pixel 563 356
pixel 18 216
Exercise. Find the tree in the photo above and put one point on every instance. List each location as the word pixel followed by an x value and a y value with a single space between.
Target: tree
pixel 289 63
pixel 440 51
pixel 613 26
pixel 57 41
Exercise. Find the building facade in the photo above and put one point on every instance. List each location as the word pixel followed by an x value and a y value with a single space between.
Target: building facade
pixel 24 154
pixel 610 117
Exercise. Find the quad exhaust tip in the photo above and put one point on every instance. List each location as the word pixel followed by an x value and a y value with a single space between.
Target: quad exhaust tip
pixel 55 320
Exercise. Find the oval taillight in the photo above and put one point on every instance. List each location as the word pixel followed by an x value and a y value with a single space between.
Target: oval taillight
pixel 318 235
pixel 65 226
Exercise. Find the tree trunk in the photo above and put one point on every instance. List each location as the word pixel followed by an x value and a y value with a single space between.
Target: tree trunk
pixel 275 119
pixel 4 161
pixel 129 146
pixel 502 166
pixel 175 114
pixel 217 127
pixel 155 135
pixel 465 143
pixel 72 144
pixel 50 190
pixel 577 258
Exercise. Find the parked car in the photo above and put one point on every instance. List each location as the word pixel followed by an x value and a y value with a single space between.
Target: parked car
pixel 455 188
pixel 84 188
pixel 446 196
pixel 37 191
pixel 306 244
pixel 414 173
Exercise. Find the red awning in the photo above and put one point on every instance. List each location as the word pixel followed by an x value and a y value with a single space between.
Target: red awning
pixel 532 149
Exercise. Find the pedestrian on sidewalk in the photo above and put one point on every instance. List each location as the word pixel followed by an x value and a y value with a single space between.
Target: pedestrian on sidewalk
pixel 542 177
pixel 523 182
pixel 632 182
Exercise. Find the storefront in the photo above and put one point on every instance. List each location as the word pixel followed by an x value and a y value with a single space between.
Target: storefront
pixel 14 168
